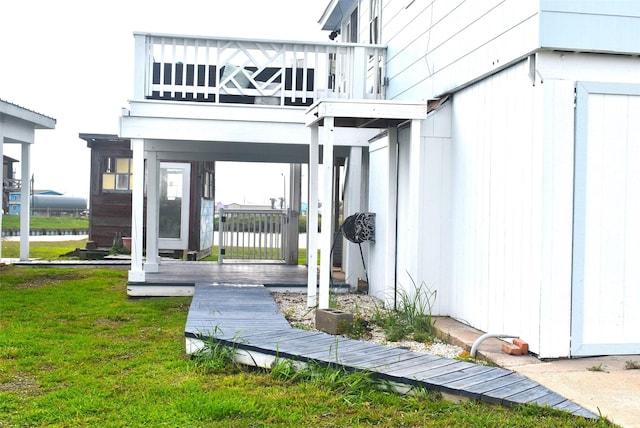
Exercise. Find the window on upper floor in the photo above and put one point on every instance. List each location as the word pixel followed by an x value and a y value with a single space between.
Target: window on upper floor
pixel 352 27
pixel 117 174
pixel 374 21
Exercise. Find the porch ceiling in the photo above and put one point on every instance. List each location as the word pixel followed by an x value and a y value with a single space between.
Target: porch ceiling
pixel 247 133
pixel 364 113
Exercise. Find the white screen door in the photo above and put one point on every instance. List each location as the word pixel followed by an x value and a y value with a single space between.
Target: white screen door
pixel 173 206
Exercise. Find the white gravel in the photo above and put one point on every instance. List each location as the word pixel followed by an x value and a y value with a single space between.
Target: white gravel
pixel 294 307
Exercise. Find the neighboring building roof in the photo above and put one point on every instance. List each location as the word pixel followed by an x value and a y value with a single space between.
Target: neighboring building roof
pixel 40 121
pixel 91 139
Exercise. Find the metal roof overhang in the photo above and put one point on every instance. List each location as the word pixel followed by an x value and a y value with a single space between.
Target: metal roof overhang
pixel 365 113
pixel 334 13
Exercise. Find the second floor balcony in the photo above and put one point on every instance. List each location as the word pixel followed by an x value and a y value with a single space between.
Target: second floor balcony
pixel 266 72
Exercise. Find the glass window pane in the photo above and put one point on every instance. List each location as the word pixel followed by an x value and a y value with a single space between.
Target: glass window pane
pixel 108 181
pixel 122 182
pixel 122 165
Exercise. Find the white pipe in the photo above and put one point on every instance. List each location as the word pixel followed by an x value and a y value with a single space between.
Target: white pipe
pixel 485 336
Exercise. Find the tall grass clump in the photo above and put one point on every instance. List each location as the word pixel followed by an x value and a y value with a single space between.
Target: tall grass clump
pixel 215 356
pixel 413 316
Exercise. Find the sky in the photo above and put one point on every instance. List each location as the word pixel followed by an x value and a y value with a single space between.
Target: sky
pixel 72 60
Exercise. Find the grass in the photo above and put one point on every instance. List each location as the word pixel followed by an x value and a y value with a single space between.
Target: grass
pixel 75 351
pixel 45 222
pixel 632 365
pixel 598 368
pixel 44 250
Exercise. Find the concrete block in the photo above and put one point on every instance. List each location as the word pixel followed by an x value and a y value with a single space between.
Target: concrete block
pixel 332 321
pixel 511 349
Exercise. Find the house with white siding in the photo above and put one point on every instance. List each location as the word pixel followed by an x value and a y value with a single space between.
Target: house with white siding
pixel 496 141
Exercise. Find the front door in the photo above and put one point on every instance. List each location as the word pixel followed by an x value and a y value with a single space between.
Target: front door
pixel 173 209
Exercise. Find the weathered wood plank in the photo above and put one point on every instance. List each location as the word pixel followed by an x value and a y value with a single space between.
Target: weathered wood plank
pixel 248 318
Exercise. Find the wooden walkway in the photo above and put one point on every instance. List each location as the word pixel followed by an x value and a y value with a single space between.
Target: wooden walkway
pixel 248 318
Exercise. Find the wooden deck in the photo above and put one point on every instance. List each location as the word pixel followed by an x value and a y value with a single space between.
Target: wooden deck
pixel 246 317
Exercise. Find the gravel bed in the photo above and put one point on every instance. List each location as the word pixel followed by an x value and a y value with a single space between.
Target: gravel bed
pixel 294 307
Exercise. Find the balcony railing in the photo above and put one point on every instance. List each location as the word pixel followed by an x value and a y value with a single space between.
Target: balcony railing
pixel 220 70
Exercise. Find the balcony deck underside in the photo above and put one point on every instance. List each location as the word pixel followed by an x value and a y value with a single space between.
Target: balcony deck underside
pixel 184 131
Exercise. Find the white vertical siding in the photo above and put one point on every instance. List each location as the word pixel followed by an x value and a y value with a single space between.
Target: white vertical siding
pixel 382 201
pixel 606 272
pixel 423 250
pixel 556 110
pixel 496 205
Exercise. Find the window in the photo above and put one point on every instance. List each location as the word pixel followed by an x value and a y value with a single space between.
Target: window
pixel 352 27
pixel 374 22
pixel 207 185
pixel 116 174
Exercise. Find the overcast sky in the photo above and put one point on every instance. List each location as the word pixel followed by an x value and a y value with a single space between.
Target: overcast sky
pixel 73 60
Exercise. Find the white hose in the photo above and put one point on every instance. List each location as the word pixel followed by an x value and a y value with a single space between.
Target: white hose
pixel 485 336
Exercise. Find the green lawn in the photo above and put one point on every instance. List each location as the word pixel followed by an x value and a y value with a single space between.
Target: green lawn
pixel 44 250
pixel 45 222
pixel 75 351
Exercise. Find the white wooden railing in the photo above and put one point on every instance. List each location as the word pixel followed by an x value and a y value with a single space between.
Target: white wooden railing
pixel 252 235
pixel 220 70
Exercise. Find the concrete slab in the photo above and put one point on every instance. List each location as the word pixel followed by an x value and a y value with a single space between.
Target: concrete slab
pixel 604 385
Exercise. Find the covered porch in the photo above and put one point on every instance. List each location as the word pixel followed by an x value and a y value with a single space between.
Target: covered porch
pixel 219 99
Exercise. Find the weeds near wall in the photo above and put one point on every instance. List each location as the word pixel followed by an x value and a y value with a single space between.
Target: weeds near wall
pixel 412 319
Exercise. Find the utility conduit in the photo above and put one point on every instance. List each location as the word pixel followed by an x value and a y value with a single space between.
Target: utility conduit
pixel 476 344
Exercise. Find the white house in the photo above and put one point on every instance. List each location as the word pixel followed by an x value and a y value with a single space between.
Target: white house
pixel 494 140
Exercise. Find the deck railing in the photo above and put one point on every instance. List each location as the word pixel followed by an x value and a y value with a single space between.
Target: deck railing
pixel 220 70
pixel 252 235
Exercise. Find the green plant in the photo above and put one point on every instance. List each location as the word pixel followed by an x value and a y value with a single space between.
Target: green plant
pixel 356 329
pixel 632 365
pixel 216 356
pixel 412 317
pixel 598 368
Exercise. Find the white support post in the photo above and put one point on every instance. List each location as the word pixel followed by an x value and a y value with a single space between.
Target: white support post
pixel 151 263
pixel 312 218
pixel 327 212
pixel 25 201
pixel 136 274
